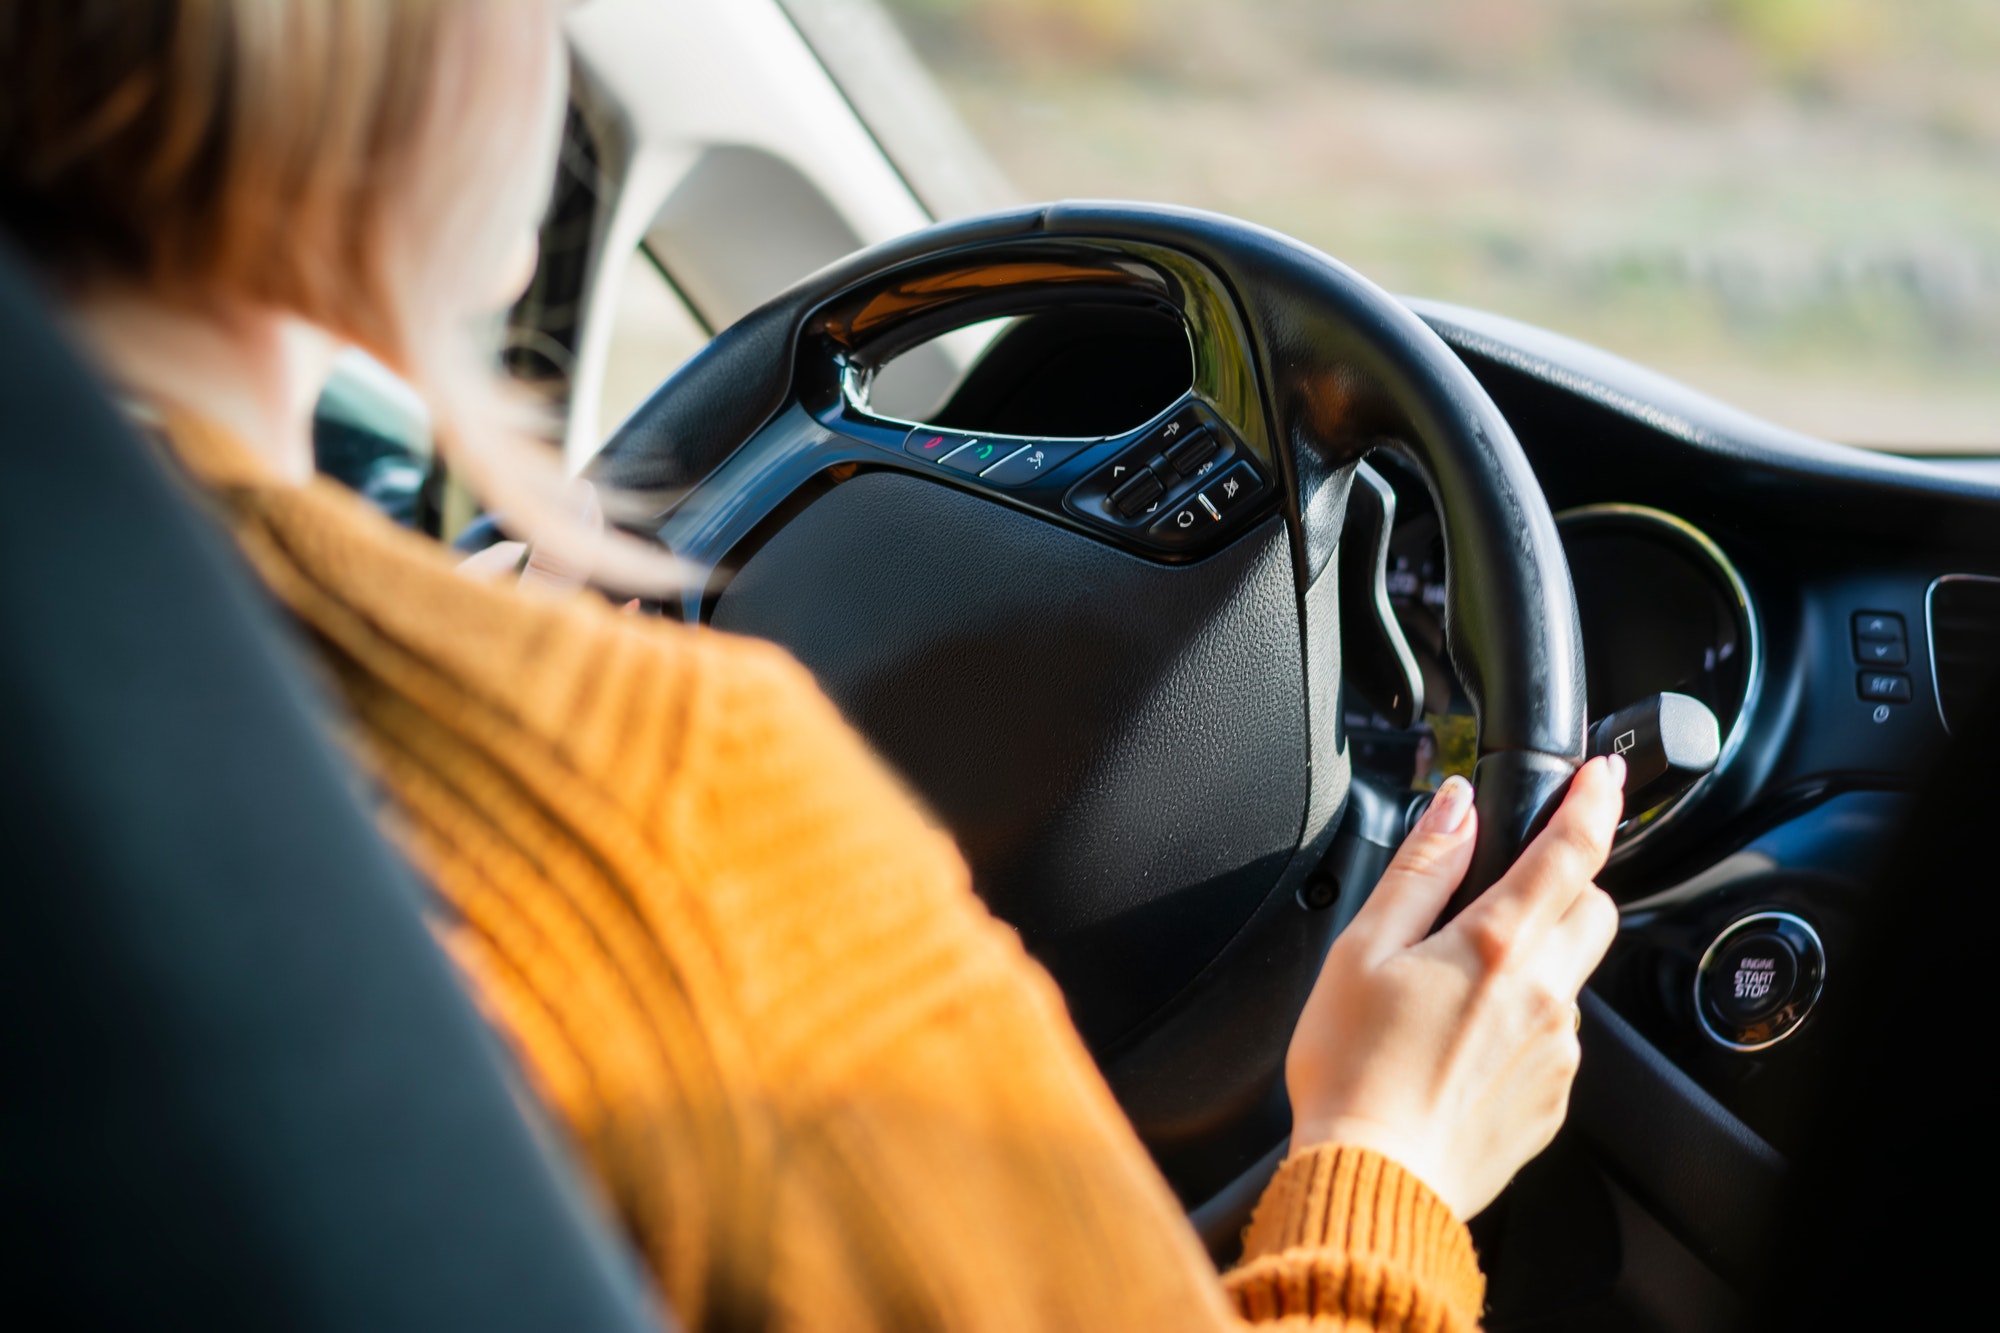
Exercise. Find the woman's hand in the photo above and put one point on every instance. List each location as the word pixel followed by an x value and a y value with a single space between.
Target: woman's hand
pixel 1453 1054
pixel 536 569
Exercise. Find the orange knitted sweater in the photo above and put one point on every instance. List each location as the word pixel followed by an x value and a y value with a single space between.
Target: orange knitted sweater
pixel 819 1085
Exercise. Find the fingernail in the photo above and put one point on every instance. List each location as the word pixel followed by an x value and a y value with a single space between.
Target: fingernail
pixel 1616 763
pixel 1449 806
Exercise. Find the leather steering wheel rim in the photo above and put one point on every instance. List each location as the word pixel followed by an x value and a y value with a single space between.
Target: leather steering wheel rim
pixel 1307 366
pixel 1344 368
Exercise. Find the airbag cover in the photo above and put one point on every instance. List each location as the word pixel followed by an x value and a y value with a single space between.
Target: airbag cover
pixel 1119 746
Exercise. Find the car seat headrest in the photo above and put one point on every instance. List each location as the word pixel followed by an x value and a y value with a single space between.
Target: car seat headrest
pixel 243 1087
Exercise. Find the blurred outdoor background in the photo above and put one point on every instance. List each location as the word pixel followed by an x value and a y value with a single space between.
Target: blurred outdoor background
pixel 1793 204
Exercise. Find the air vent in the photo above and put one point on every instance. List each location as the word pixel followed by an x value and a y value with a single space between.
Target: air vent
pixel 1964 612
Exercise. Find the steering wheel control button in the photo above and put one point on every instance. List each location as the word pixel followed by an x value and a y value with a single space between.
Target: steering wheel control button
pixel 1176 485
pixel 1884 687
pixel 1185 521
pixel 1121 472
pixel 1194 455
pixel 1231 491
pixel 1139 495
pixel 1212 506
pixel 933 446
pixel 1032 461
pixel 1758 980
pixel 976 456
pixel 1177 430
pixel 1878 627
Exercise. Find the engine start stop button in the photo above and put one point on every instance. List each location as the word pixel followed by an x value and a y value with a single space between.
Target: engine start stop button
pixel 1758 980
pixel 1753 976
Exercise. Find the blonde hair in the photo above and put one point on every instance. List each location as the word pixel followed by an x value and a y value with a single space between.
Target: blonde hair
pixel 366 165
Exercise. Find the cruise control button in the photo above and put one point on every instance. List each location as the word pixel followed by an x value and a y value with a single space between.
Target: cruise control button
pixel 1878 625
pixel 1138 495
pixel 1232 490
pixel 976 455
pixel 1888 687
pixel 1881 652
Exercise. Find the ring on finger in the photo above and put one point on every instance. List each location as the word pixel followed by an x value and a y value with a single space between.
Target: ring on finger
pixel 1575 1017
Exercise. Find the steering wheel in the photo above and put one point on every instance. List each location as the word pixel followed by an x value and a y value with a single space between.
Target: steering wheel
pixel 1112 665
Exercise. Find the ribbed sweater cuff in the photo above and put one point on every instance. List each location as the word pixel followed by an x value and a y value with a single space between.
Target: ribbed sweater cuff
pixel 1346 1232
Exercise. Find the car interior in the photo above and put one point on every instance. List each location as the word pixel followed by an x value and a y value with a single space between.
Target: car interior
pixel 1172 561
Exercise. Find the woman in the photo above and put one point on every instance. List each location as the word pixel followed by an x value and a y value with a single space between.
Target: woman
pixel 820 1087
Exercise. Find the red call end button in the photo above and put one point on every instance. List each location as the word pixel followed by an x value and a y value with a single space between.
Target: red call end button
pixel 932 444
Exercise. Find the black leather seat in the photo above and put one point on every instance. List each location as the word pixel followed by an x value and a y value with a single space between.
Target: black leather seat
pixel 239 1087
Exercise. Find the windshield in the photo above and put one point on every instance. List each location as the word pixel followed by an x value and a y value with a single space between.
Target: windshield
pixel 1792 204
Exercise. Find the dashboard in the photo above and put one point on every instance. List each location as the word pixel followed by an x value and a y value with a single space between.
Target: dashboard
pixel 1836 610
pixel 1663 609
